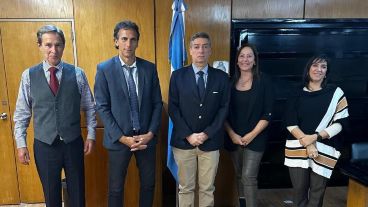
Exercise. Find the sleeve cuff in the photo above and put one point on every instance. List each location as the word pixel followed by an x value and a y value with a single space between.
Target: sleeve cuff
pixel 21 142
pixel 333 130
pixel 91 134
pixel 290 128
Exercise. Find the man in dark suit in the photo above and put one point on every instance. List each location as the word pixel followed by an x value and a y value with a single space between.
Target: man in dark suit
pixel 198 104
pixel 128 100
pixel 54 93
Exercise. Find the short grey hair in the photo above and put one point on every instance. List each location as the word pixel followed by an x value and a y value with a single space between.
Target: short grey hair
pixel 200 35
pixel 48 29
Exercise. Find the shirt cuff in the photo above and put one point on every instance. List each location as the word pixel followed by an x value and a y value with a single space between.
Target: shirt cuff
pixel 91 135
pixel 21 142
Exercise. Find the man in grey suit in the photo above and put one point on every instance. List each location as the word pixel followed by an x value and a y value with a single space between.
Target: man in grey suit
pixel 128 99
pixel 55 92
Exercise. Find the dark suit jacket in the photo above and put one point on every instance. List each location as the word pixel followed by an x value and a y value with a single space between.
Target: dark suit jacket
pixel 112 100
pixel 192 115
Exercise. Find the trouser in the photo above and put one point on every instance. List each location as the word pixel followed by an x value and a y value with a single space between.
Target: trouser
pixel 246 164
pixel 191 163
pixel 118 166
pixel 308 187
pixel 50 160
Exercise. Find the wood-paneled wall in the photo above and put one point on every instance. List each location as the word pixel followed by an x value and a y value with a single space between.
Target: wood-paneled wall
pixel 299 9
pixel 267 9
pixel 336 9
pixel 94 23
pixel 36 9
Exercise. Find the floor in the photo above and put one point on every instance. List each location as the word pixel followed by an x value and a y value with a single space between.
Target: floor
pixel 334 197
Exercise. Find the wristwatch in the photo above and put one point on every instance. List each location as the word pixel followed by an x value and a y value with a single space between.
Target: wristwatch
pixel 319 137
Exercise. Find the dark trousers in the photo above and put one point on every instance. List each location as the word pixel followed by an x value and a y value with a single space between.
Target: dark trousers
pixel 309 187
pixel 50 160
pixel 118 166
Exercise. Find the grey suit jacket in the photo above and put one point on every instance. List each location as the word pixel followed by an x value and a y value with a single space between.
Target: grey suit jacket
pixel 112 101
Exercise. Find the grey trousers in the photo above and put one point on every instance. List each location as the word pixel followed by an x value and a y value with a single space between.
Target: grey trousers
pixel 308 187
pixel 246 164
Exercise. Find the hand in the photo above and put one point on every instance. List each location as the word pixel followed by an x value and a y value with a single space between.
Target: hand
pixel 89 145
pixel 143 138
pixel 139 147
pixel 247 139
pixel 141 141
pixel 312 151
pixel 23 156
pixel 195 139
pixel 203 137
pixel 236 139
pixel 308 139
pixel 128 141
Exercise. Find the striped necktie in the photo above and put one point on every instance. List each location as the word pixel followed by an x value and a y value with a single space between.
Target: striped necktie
pixel 133 100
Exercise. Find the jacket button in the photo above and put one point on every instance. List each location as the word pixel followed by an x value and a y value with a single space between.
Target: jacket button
pixel 199 117
pixel 200 105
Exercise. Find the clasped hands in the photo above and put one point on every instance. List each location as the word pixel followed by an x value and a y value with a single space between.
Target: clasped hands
pixel 308 141
pixel 137 142
pixel 243 141
pixel 197 139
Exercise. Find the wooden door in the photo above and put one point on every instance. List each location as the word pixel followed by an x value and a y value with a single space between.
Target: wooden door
pixel 8 172
pixel 20 51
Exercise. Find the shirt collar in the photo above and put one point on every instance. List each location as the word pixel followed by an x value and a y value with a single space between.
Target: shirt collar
pixel 134 65
pixel 196 69
pixel 46 66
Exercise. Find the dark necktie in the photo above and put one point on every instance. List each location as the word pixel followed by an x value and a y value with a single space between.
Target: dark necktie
pixel 54 83
pixel 133 100
pixel 201 86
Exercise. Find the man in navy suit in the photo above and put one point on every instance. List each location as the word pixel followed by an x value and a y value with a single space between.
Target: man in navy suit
pixel 128 100
pixel 198 104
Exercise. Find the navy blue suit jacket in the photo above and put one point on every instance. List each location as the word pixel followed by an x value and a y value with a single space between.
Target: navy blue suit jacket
pixel 112 101
pixel 191 115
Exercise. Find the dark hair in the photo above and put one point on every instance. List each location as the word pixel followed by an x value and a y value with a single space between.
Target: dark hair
pixel 255 70
pixel 126 25
pixel 200 35
pixel 315 59
pixel 50 29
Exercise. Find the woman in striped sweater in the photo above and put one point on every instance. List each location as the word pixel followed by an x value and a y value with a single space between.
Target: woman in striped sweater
pixel 314 117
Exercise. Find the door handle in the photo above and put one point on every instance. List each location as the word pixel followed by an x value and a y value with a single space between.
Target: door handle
pixel 3 116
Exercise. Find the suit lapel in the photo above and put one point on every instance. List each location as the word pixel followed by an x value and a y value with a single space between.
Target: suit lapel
pixel 118 70
pixel 141 79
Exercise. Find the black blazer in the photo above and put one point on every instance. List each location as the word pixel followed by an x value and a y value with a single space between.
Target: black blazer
pixel 112 101
pixel 260 108
pixel 192 115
